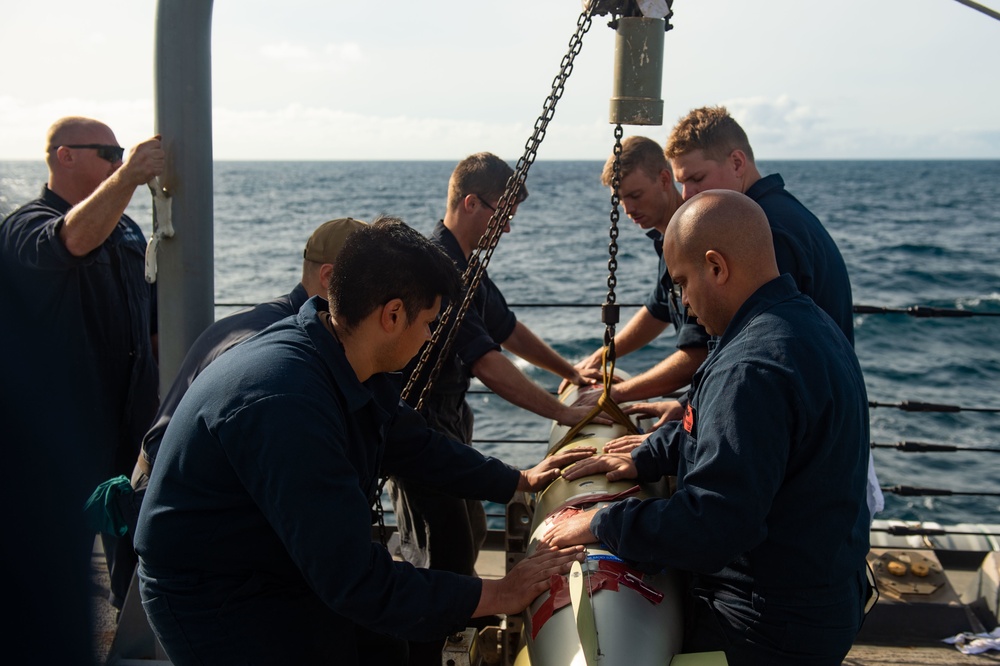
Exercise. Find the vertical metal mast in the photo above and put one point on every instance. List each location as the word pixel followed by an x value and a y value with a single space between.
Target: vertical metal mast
pixel 183 94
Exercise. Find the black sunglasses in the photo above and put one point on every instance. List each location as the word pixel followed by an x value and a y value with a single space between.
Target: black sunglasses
pixel 104 151
pixel 678 313
pixel 491 208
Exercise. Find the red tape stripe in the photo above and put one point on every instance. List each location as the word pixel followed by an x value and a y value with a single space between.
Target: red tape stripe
pixel 609 576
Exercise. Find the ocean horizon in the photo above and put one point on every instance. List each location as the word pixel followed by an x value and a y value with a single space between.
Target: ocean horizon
pixel 912 232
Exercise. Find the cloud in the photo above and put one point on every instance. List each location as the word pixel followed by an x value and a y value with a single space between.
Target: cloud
pixel 284 51
pixel 786 128
pixel 23 125
pixel 303 132
pixel 779 128
pixel 331 57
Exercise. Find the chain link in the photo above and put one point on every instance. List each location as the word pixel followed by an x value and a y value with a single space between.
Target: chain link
pixel 487 243
pixel 498 221
pixel 610 309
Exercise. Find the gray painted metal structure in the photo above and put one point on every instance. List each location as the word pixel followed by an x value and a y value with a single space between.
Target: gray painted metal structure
pixel 185 275
pixel 183 94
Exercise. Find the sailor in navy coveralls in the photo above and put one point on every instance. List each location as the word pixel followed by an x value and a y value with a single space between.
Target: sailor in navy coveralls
pixel 769 518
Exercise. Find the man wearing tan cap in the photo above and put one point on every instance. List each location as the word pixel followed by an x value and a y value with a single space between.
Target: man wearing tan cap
pixel 320 252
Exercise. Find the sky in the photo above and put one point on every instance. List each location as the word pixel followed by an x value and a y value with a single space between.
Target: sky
pixel 440 79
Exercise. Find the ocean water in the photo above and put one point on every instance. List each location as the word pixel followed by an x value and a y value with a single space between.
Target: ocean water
pixel 911 232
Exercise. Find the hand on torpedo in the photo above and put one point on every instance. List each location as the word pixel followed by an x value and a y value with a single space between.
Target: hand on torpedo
pixel 571 529
pixel 581 379
pixel 541 475
pixel 571 415
pixel 529 578
pixel 669 410
pixel 616 466
pixel 589 368
pixel 625 443
pixel 588 397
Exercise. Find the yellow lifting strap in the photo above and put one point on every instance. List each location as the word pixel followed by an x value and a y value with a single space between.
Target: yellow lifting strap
pixel 604 404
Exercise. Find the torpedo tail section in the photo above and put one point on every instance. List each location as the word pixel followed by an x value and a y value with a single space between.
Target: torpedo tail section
pixel 603 611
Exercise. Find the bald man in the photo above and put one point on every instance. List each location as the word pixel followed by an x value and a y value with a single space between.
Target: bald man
pixel 72 269
pixel 769 518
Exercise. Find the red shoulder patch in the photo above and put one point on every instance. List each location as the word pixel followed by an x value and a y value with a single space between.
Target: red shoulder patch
pixel 689 418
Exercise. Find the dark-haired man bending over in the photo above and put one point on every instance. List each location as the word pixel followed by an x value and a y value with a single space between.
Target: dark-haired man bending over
pixel 255 533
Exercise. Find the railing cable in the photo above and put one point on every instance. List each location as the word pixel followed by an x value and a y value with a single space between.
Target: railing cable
pixel 906 530
pixel 922 311
pixel 915 406
pixel 924 447
pixel 915 491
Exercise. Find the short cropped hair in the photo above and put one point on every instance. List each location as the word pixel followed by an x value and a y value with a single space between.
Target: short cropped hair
pixel 484 174
pixel 639 153
pixel 67 130
pixel 711 130
pixel 385 260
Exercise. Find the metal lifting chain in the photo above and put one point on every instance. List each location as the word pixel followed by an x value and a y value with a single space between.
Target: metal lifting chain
pixel 498 221
pixel 610 311
pixel 487 243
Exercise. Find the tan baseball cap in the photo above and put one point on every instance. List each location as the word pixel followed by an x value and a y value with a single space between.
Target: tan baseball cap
pixel 326 242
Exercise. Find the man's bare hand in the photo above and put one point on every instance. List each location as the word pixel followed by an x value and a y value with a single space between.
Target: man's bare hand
pixel 588 397
pixel 615 465
pixel 541 475
pixel 144 162
pixel 570 530
pixel 625 443
pixel 529 578
pixel 589 367
pixel 575 414
pixel 582 379
pixel 670 410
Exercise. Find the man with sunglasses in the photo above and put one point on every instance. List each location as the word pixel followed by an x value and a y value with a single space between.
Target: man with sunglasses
pixel 71 269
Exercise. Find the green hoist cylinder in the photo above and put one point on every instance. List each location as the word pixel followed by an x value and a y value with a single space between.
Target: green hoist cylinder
pixel 638 72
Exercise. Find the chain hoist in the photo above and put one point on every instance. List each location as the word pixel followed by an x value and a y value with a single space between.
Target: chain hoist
pixel 452 316
pixel 639 26
pixel 610 315
pixel 610 311
pixel 450 319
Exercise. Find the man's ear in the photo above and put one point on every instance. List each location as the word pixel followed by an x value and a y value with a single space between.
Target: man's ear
pixel 325 271
pixel 667 179
pixel 739 161
pixel 469 203
pixel 393 316
pixel 64 156
pixel 718 265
